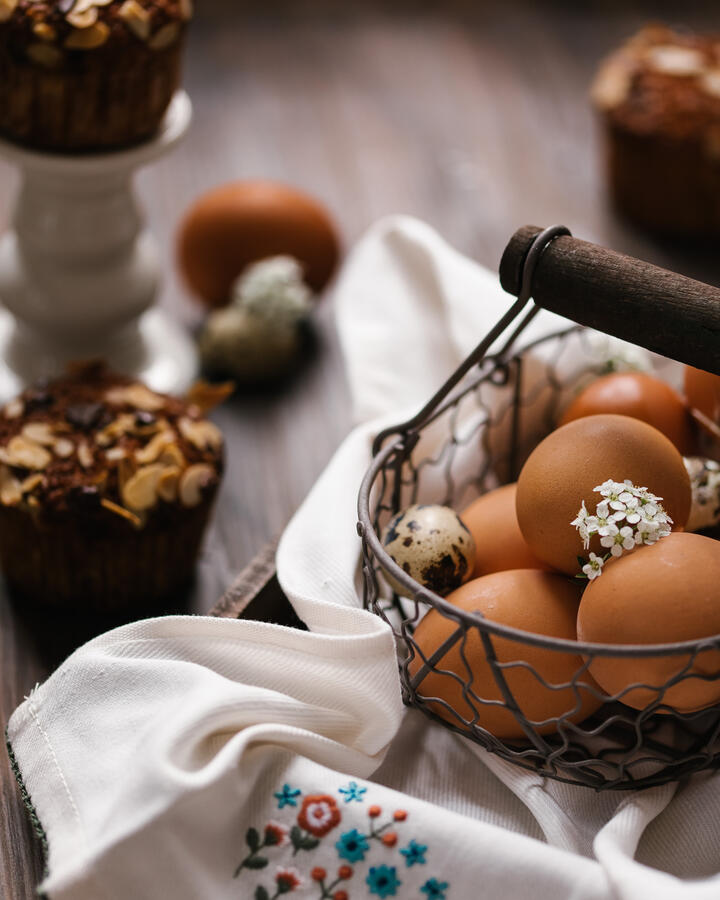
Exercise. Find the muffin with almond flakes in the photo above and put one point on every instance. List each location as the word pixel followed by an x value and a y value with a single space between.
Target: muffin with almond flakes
pixel 88 75
pixel 105 489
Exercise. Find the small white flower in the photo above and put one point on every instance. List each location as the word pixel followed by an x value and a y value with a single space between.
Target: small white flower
pixel 593 568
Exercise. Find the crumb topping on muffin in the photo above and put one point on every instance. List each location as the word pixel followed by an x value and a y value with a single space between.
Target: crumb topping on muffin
pixel 663 82
pixel 97 443
pixel 47 31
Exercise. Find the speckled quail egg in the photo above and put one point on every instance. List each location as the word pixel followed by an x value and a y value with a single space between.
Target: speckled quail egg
pixel 432 544
pixel 705 485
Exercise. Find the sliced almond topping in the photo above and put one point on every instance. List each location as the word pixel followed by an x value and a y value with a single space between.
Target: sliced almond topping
pixel 118 427
pixel 121 511
pixel 136 18
pixel 202 434
pixel 672 60
pixel 10 492
pixel 7 8
pixel 64 448
pixel 85 455
pixel 167 486
pixel 26 454
pixel 207 396
pixel 81 6
pixel 186 9
pixel 82 18
pixel 45 55
pixel 115 453
pixel 612 83
pixel 44 31
pixel 30 483
pixel 710 82
pixel 140 491
pixel 152 450
pixel 125 471
pixel 192 482
pixel 14 409
pixel 136 395
pixel 88 38
pixel 172 456
pixel 40 432
pixel 165 36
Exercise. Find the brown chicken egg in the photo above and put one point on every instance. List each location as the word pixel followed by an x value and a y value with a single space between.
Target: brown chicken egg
pixel 667 592
pixel 702 392
pixel 499 544
pixel 641 396
pixel 527 599
pixel 236 224
pixel 564 469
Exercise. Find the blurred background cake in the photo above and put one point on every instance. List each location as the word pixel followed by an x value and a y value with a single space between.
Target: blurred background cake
pixel 105 490
pixel 659 100
pixel 82 75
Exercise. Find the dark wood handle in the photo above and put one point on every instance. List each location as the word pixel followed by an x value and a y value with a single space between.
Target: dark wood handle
pixel 630 299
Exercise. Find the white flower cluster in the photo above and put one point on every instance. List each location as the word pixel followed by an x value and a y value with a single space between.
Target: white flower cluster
pixel 626 517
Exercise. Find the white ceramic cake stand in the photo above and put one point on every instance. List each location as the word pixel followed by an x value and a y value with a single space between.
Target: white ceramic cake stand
pixel 79 271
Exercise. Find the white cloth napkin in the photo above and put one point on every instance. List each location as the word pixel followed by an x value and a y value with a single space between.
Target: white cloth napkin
pixel 203 758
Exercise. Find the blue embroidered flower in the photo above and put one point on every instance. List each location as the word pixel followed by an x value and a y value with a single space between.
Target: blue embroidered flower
pixel 287 796
pixel 353 792
pixel 382 881
pixel 352 846
pixel 414 853
pixel 435 889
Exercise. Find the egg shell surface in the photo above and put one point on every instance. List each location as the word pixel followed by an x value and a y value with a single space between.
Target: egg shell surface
pixel 499 544
pixel 663 593
pixel 433 545
pixel 641 396
pixel 569 463
pixel 702 392
pixel 529 599
pixel 236 224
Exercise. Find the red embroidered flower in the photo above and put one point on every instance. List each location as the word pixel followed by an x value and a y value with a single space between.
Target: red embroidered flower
pixel 374 812
pixel 287 880
pixel 389 839
pixel 275 835
pixel 318 874
pixel 345 872
pixel 399 815
pixel 319 814
pixel 340 895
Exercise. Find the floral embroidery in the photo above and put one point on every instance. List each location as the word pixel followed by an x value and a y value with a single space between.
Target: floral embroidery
pixel 352 846
pixel 319 814
pixel 414 853
pixel 383 881
pixel 353 792
pixel 319 875
pixel 286 880
pixel 434 889
pixel 274 835
pixel 287 796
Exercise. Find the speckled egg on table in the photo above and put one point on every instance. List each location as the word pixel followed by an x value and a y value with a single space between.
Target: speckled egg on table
pixel 432 544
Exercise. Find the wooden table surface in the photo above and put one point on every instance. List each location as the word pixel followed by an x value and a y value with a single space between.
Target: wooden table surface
pixel 471 115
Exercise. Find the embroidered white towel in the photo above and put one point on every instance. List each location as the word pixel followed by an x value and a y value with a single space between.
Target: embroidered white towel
pixel 200 758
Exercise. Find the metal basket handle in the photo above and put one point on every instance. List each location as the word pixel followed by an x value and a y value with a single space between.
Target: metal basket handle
pixel 625 297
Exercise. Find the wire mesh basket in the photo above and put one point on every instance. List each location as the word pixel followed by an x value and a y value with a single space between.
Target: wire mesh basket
pixel 475 434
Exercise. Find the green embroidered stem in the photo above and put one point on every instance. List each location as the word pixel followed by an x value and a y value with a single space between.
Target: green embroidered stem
pixel 37 826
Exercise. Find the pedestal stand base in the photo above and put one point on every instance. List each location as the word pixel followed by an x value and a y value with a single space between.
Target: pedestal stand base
pixel 79 271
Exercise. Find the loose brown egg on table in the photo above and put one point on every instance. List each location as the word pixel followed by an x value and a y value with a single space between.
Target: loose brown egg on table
pixel 569 463
pixel 527 599
pixel 664 593
pixel 432 544
pixel 499 544
pixel 236 224
pixel 641 396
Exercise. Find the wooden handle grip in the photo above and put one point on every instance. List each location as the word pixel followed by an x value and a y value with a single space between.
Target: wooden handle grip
pixel 630 299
